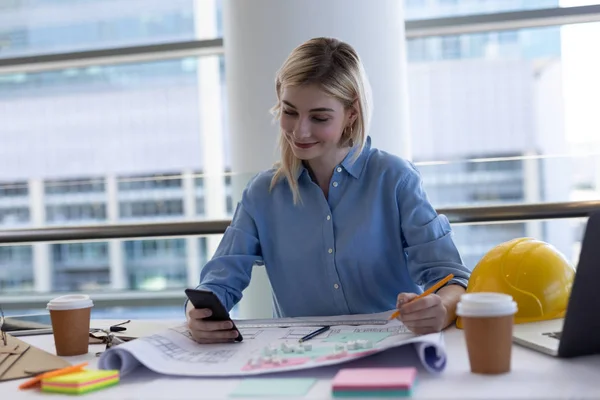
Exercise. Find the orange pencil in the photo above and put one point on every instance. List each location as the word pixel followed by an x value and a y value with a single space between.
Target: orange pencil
pixel 426 293
pixel 63 371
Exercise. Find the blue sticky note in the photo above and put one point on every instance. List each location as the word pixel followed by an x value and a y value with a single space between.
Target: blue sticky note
pixel 263 387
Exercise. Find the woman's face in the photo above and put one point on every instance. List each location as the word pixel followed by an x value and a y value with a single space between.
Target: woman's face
pixel 312 121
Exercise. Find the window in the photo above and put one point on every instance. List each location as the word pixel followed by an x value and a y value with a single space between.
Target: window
pixel 506 37
pixel 76 212
pixel 72 25
pixel 149 208
pixel 13 189
pixel 15 254
pixel 498 115
pixel 63 254
pixel 423 9
pixel 16 269
pixel 451 47
pixel 14 215
pixel 200 206
pixel 150 182
pixel 73 186
pixel 199 180
pixel 508 94
pixel 414 3
pixel 229 206
pixel 156 264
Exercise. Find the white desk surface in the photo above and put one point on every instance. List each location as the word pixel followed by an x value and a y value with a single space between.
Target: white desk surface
pixel 533 375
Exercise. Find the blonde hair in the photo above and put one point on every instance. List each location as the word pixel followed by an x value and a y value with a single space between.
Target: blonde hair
pixel 336 68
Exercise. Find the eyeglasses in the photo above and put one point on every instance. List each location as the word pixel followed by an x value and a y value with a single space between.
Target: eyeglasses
pixel 106 336
pixel 4 338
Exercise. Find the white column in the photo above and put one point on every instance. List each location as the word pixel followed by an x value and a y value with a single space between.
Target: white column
pixel 118 279
pixel 211 120
pixel 191 242
pixel 41 251
pixel 533 192
pixel 260 34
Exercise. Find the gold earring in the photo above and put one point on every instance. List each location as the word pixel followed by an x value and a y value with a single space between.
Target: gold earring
pixel 350 141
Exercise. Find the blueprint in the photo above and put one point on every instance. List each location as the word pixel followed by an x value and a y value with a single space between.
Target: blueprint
pixel 268 350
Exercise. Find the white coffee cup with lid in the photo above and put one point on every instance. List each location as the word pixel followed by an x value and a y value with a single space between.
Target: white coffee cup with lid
pixel 70 302
pixel 486 305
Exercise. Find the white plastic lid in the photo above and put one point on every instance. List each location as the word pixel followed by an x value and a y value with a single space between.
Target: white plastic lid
pixel 485 305
pixel 70 302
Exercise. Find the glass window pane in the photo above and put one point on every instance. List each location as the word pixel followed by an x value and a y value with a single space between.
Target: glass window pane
pixel 497 114
pixel 424 9
pixel 137 121
pixel 54 26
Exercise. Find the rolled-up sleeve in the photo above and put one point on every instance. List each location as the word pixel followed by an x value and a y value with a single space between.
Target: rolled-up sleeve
pixel 427 236
pixel 229 271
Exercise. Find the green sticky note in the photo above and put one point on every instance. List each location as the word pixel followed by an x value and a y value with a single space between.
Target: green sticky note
pixel 374 393
pixel 354 336
pixel 262 387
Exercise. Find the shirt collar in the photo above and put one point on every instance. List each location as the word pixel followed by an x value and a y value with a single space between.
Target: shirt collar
pixel 353 166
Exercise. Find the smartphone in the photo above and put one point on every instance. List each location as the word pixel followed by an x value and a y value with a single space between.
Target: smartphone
pixel 207 299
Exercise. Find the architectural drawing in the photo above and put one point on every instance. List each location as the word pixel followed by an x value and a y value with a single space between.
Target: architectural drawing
pixel 169 349
pixel 296 333
pixel 250 333
pixel 263 350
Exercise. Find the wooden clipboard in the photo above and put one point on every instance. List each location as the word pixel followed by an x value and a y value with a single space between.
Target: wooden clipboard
pixel 21 360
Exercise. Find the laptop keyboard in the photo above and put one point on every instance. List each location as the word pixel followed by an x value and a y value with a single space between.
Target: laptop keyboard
pixel 555 335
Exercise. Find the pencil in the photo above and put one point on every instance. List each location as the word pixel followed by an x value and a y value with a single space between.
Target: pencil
pixel 429 291
pixel 63 371
pixel 313 334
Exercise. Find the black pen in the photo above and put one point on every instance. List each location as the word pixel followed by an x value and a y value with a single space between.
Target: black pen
pixel 313 334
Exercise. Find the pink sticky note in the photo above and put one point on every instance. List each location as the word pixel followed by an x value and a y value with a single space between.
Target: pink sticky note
pixel 374 379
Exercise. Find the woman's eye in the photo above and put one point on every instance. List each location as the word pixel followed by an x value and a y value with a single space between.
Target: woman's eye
pixel 288 112
pixel 320 119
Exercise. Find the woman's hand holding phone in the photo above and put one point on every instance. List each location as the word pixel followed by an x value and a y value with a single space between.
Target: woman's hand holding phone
pixel 209 331
pixel 208 320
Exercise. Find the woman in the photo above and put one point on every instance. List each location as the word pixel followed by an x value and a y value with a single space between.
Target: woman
pixel 341 227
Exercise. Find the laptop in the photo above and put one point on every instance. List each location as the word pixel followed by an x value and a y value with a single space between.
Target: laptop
pixel 578 333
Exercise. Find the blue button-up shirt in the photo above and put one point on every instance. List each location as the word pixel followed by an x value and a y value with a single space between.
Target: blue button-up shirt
pixel 375 236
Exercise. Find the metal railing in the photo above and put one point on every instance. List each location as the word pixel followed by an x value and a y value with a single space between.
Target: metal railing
pixel 166 298
pixel 460 215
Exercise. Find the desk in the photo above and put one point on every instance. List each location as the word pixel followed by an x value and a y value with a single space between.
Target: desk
pixel 534 375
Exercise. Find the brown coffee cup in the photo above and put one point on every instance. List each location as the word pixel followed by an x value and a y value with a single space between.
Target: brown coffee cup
pixel 487 320
pixel 70 317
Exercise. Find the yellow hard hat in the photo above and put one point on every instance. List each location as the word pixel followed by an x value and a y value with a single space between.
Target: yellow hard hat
pixel 534 273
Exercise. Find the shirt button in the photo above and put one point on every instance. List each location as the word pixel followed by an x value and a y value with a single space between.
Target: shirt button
pixel 336 286
pixel 335 184
pixel 330 251
pixel 339 169
pixel 328 217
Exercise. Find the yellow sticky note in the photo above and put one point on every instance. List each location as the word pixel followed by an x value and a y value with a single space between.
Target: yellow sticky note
pixel 81 382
